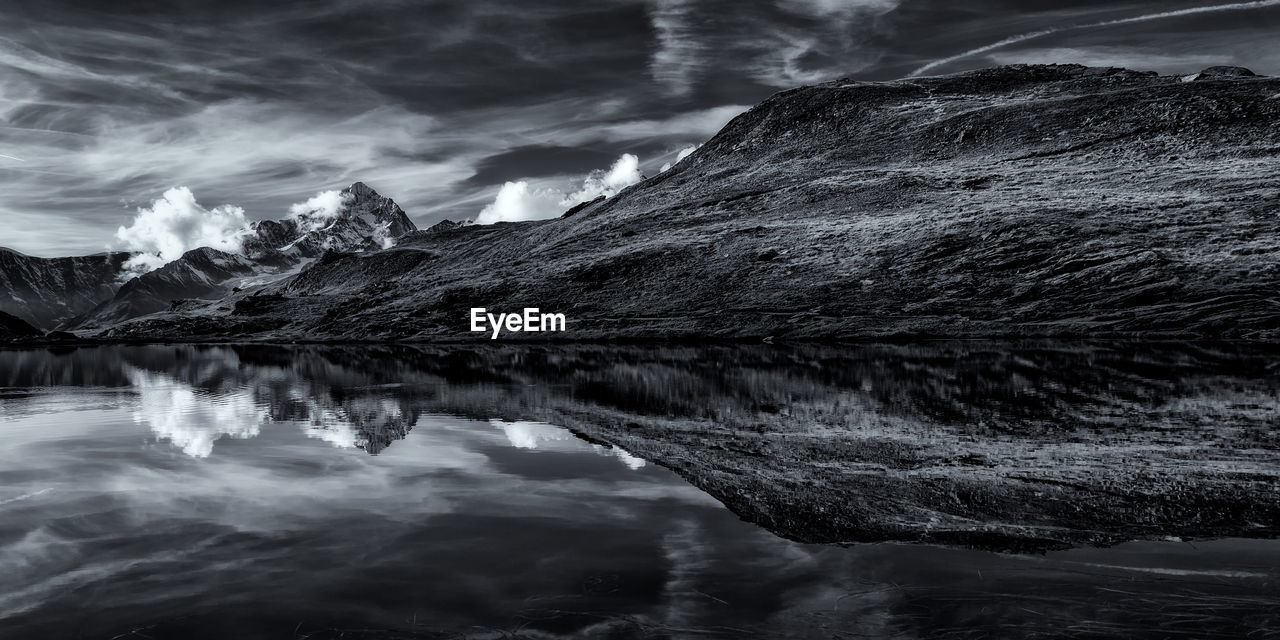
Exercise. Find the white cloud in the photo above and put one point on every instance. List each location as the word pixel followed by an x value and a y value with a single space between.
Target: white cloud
pixel 624 173
pixel 318 210
pixel 175 224
pixel 382 235
pixel 518 201
pixel 684 153
pixel 215 138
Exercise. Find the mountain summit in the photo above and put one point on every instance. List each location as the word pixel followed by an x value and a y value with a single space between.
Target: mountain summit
pixel 362 220
pixel 357 219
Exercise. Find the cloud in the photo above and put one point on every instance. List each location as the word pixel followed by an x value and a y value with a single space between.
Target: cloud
pixel 684 153
pixel 842 8
pixel 175 224
pixel 382 235
pixel 677 57
pixel 816 41
pixel 263 154
pixel 15 56
pixel 190 420
pixel 518 201
pixel 778 44
pixel 702 123
pixel 1032 35
pixel 252 142
pixel 258 105
pixel 624 173
pixel 318 210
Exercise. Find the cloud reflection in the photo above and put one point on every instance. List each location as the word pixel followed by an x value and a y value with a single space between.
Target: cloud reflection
pixel 539 435
pixel 193 419
pixel 190 420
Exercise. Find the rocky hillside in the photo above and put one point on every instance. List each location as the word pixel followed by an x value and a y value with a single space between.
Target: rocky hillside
pixel 47 291
pixel 15 328
pixel 1023 200
pixel 274 250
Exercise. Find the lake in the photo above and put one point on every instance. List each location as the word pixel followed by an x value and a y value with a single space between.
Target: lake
pixel 908 491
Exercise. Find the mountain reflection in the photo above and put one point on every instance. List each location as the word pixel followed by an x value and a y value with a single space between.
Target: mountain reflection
pixel 1023 445
pixel 206 395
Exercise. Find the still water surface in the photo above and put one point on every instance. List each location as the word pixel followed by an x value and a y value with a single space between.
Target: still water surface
pixel 181 492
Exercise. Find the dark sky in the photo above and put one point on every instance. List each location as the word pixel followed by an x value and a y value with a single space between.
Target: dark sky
pixel 105 105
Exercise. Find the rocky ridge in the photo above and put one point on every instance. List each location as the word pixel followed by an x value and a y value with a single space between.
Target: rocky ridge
pixel 275 249
pixel 48 291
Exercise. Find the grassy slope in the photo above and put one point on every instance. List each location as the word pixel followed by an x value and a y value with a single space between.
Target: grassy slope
pixel 1016 201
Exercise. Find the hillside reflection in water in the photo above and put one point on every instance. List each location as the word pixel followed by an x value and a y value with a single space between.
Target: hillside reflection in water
pixel 255 492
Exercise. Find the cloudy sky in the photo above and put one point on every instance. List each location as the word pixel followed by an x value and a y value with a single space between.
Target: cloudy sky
pixel 259 104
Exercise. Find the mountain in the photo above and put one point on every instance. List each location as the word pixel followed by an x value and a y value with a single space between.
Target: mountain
pixel 1053 200
pixel 274 249
pixel 48 291
pixel 366 221
pixel 14 328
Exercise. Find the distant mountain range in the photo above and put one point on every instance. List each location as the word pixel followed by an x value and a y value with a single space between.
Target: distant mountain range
pixel 46 292
pixel 273 251
pixel 1024 200
pixel 93 290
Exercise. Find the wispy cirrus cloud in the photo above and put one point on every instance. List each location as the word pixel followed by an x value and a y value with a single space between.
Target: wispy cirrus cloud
pixel 1113 22
pixel 778 44
pixel 677 57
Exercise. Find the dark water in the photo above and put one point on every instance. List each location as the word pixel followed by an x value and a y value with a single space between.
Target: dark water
pixel 259 492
